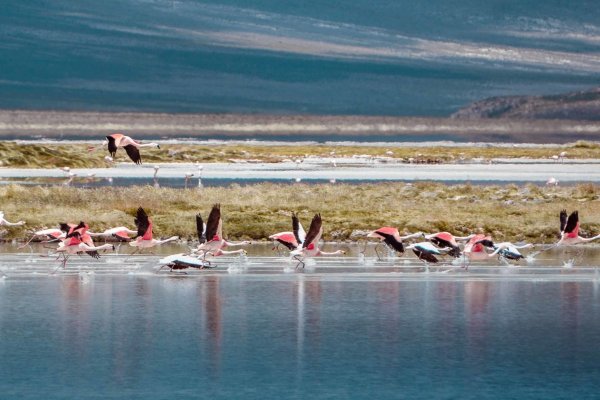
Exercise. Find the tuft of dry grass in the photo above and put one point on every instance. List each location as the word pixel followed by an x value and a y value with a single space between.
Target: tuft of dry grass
pixel 508 212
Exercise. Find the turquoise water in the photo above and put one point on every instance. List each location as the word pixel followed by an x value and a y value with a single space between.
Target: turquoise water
pixel 313 57
pixel 297 336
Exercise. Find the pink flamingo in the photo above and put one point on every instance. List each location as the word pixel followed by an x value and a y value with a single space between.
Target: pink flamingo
pixel 569 230
pixel 50 235
pixel 310 245
pixel 292 239
pixel 78 241
pixel 132 147
pixel 210 235
pixel 391 237
pixel 144 239
pixel 447 241
pixel 119 233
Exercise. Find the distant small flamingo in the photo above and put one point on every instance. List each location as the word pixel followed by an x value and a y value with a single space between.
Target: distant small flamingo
pixel 210 235
pixel 310 244
pixel 144 239
pixel 132 147
pixel 391 237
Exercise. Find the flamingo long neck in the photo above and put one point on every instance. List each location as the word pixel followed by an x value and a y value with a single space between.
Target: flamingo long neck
pixel 412 236
pixel 331 253
pixel 5 222
pixel 585 240
pixel 463 237
pixel 172 238
pixel 229 244
pixel 225 252
pixel 145 144
pixel 87 247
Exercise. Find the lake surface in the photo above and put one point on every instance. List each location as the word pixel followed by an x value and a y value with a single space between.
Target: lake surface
pixel 272 57
pixel 344 327
pixel 297 336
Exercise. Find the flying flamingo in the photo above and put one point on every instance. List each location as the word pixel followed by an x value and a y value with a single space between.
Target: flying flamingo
pixel 569 230
pixel 391 237
pixel 51 235
pixel 144 239
pixel 78 241
pixel 5 222
pixel 183 261
pixel 119 233
pixel 479 246
pixel 310 245
pixel 426 251
pixel 210 235
pixel 132 147
pixel 293 239
pixel 447 241
pixel 476 248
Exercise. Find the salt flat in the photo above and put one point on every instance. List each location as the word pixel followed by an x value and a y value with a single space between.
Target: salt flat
pixel 364 169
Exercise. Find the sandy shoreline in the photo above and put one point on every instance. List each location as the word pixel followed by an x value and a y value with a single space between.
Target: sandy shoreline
pixel 19 124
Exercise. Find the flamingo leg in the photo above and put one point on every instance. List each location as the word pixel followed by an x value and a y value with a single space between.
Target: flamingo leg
pixel 134 252
pixel 377 252
pixel 300 261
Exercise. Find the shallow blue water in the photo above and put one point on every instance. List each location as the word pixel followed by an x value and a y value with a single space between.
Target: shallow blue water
pixel 130 337
pixel 315 57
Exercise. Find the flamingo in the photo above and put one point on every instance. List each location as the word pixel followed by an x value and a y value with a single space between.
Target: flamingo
pixel 478 246
pixel 447 241
pixel 183 261
pixel 293 239
pixel 77 240
pixel 144 239
pixel 120 233
pixel 132 147
pixel 509 251
pixel 569 230
pixel 391 237
pixel 310 245
pixel 51 235
pixel 155 176
pixel 427 252
pixel 3 221
pixel 210 235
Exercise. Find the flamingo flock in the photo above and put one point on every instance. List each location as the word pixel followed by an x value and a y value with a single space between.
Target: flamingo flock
pixel 76 239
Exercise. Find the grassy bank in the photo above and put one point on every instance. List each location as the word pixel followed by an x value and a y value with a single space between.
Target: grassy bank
pixel 254 212
pixel 17 155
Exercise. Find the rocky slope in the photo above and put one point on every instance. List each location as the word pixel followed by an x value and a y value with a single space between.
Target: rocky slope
pixel 583 105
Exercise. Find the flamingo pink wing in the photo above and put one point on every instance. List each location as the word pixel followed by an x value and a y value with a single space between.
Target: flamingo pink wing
pixel 148 233
pixel 388 230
